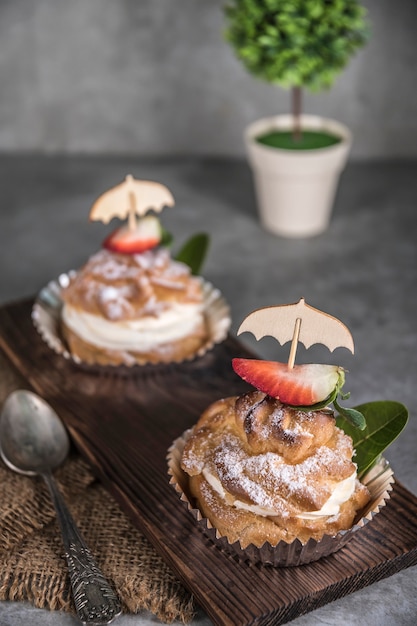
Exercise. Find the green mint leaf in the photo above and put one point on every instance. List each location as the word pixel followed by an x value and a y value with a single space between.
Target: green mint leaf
pixel 356 418
pixel 194 252
pixel 384 422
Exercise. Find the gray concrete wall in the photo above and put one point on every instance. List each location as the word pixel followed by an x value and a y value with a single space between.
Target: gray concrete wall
pixel 155 77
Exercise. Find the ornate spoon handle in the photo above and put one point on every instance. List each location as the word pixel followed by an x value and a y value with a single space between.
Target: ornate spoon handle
pixel 95 601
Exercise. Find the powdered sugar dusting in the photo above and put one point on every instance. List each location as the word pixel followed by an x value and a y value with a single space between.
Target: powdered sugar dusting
pixel 267 481
pixel 124 287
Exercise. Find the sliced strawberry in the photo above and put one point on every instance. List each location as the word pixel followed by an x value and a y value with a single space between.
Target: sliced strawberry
pixel 303 385
pixel 146 235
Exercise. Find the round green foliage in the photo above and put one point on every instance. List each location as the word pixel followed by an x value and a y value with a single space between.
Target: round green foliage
pixel 296 43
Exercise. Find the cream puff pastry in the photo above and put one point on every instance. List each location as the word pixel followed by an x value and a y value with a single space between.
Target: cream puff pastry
pixel 133 308
pixel 262 471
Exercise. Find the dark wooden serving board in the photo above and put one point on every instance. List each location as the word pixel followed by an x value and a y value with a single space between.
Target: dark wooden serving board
pixel 124 425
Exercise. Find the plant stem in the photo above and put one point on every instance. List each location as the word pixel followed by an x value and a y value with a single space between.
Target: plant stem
pixel 296 97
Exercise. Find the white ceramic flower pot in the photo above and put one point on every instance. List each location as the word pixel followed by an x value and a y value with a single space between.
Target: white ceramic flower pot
pixel 296 189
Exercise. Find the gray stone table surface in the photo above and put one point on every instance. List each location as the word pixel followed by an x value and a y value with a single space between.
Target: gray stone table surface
pixel 363 270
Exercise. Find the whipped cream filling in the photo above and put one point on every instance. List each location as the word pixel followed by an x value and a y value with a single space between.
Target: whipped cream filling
pixel 341 493
pixel 140 335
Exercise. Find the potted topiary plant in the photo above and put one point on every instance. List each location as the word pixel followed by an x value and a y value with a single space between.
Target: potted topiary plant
pixel 296 159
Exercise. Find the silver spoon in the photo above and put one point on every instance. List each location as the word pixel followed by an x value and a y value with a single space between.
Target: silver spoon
pixel 34 441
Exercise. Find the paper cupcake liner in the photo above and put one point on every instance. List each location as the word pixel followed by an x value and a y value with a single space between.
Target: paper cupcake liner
pixel 379 480
pixel 46 317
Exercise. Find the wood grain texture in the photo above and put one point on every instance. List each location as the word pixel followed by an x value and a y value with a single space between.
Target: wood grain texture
pixel 124 426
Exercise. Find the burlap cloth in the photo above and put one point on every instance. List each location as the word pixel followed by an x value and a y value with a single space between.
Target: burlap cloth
pixel 32 563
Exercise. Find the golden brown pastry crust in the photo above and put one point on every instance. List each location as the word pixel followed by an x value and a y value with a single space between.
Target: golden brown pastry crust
pixel 121 288
pixel 266 454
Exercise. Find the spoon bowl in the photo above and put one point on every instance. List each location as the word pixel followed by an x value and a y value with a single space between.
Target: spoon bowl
pixel 32 437
pixel 34 441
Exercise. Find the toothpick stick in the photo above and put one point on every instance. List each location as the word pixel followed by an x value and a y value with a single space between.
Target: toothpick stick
pixel 294 343
pixel 132 213
pixel 132 204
